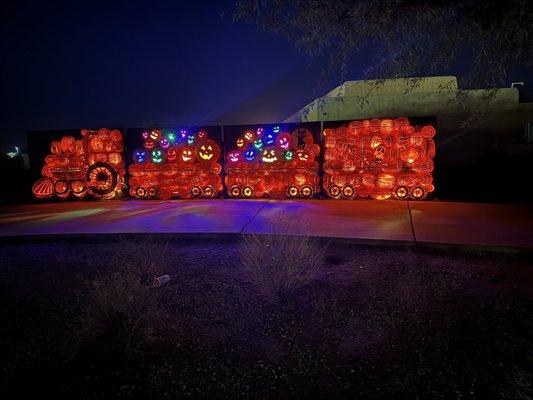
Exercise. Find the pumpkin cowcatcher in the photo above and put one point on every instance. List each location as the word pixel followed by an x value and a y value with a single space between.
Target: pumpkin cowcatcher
pixel 75 168
pixel 271 162
pixel 176 164
pixel 380 159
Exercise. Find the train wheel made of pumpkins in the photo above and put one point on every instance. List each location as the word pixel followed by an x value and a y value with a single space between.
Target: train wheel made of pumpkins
pixel 292 191
pixel 247 191
pixel 140 192
pixel 334 191
pixel 153 192
pixel 348 192
pixel 62 189
pixel 196 191
pixel 307 191
pixel 235 191
pixel 208 191
pixel 401 192
pixel 101 179
pixel 417 193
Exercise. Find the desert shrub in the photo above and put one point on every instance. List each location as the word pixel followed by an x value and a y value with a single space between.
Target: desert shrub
pixel 278 263
pixel 119 313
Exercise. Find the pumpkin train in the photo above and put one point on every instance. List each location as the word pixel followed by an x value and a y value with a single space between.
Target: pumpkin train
pixel 175 164
pixel 380 159
pixel 92 165
pixel 273 163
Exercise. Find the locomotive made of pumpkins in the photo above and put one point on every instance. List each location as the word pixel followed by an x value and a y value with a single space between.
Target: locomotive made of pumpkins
pixel 380 159
pixel 273 163
pixel 92 165
pixel 175 164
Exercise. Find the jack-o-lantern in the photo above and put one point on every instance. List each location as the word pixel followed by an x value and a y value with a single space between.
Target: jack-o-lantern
pixel 96 144
pixel 202 135
pixel 410 155
pixel 303 157
pixel 78 147
pixel 43 188
pixel 276 129
pixel 379 153
pixel 250 154
pixel 234 156
pixel 187 154
pixel 55 147
pixel 283 141
pixel 157 156
pixel 78 189
pixel 155 135
pixel 191 139
pixel 115 135
pixel 139 156
pixel 240 142
pixel 249 136
pixel 146 135
pixel 269 138
pixel 172 154
pixel 67 144
pixel 149 144
pixel 288 155
pixel 165 144
pixel 313 149
pixel 258 144
pixel 208 151
pixel 269 155
pixel 114 158
pixel 259 132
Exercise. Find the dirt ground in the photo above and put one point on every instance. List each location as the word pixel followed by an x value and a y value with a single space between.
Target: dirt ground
pixel 376 323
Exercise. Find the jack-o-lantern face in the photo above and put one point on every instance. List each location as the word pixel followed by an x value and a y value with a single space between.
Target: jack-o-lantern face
pixel 146 135
pixel 97 144
pixel 258 144
pixel 172 154
pixel 276 129
pixel 288 155
pixel 187 154
pixel 302 156
pixel 240 143
pixel 165 144
pixel 202 135
pixel 191 139
pixel 208 151
pixel 269 155
pixel 250 154
pixel 283 141
pixel 157 156
pixel 155 135
pixel 259 132
pixel 234 156
pixel 171 137
pixel 149 144
pixel 139 156
pixel 183 135
pixel 269 138
pixel 249 136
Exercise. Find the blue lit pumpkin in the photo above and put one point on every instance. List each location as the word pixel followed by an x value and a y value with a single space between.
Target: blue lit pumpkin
pixel 250 154
pixel 139 156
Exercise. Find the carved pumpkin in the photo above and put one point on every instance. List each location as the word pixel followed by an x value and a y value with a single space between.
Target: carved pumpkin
pixel 187 155
pixel 240 142
pixel 78 147
pixel 149 144
pixel 270 155
pixel 97 144
pixel 43 188
pixel 172 154
pixel 157 156
pixel 249 136
pixel 67 144
pixel 114 158
pixel 155 135
pixel 55 147
pixel 283 141
pixel 208 151
pixel 78 189
pixel 115 135
pixel 234 156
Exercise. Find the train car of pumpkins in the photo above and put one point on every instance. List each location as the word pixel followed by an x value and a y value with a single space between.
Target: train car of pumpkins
pixel 273 163
pixel 75 168
pixel 175 164
pixel 380 159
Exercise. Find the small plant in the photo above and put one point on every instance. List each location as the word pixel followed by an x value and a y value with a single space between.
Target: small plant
pixel 278 263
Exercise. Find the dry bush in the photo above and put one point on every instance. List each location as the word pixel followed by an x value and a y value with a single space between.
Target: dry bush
pixel 121 311
pixel 279 264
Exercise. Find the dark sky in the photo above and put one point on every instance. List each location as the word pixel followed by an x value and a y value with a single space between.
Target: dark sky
pixel 69 64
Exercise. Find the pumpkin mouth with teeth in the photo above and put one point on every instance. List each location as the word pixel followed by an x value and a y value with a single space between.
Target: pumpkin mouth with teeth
pixel 269 156
pixel 234 156
pixel 187 155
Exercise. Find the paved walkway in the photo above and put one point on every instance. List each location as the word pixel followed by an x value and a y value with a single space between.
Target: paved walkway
pixel 428 222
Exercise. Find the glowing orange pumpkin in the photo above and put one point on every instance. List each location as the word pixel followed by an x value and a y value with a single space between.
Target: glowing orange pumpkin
pixel 97 144
pixel 43 188
pixel 55 147
pixel 208 151
pixel 67 144
pixel 114 158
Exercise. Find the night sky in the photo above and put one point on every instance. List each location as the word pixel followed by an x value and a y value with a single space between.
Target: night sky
pixel 132 63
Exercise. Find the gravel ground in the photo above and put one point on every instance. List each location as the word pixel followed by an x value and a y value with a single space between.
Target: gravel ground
pixel 375 323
